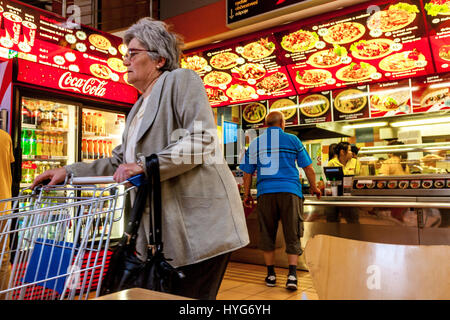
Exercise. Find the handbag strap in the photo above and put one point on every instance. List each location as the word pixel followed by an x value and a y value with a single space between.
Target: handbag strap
pixel 154 194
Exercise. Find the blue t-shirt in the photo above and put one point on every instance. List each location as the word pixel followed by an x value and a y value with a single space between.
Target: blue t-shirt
pixel 273 154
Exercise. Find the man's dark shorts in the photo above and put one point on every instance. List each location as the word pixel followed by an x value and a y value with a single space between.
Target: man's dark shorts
pixel 285 206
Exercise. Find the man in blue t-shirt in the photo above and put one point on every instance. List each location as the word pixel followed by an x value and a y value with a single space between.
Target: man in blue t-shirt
pixel 273 155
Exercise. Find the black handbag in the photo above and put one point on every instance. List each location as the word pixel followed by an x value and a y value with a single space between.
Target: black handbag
pixel 125 269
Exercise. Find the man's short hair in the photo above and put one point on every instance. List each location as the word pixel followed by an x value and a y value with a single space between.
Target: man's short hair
pixel 274 118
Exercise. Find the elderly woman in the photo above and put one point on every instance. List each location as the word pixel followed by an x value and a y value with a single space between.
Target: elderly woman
pixel 203 219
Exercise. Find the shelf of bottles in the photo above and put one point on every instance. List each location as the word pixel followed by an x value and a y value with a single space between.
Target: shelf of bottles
pixel 101 133
pixel 45 126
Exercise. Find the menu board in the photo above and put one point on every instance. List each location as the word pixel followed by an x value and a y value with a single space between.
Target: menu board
pixel 254 114
pixel 246 71
pixel 350 103
pixel 41 37
pixel 431 93
pixel 359 47
pixel 438 20
pixel 315 108
pixel 390 99
pixel 288 106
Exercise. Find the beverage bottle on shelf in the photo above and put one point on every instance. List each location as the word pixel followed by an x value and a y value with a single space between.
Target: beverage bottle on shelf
pixel 84 149
pixel 60 143
pixel 39 143
pixel 90 149
pixel 25 143
pixel 102 126
pixel 96 151
pixel 109 149
pixel 46 144
pixel 33 142
pixel 51 118
pixel 65 119
pixel 52 145
pixel 88 122
pixel 95 124
pixel 24 172
pixel 104 149
pixel 60 116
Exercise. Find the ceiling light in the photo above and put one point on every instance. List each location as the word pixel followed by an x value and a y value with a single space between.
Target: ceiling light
pixel 420 122
pixel 366 125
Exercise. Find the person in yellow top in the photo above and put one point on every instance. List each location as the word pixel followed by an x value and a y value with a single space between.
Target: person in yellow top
pixel 6 158
pixel 343 157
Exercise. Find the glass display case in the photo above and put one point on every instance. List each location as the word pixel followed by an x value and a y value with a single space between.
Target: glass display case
pixel 404 169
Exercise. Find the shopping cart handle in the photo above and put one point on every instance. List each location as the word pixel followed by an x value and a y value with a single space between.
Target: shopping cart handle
pixel 137 180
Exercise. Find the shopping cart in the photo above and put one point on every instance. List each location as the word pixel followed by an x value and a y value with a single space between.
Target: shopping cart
pixel 54 240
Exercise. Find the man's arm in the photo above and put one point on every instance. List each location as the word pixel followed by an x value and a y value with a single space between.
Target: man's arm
pixel 311 176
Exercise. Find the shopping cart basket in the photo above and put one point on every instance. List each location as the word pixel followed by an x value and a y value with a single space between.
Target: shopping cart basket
pixel 54 240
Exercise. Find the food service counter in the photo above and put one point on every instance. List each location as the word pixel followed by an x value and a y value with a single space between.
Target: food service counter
pixel 406 220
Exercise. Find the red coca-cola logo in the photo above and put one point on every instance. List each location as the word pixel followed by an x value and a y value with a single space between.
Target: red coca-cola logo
pixel 91 86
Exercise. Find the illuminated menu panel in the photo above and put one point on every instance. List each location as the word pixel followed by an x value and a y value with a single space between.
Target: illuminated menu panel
pixel 242 72
pixel 431 93
pixel 360 47
pixel 41 37
pixel 438 20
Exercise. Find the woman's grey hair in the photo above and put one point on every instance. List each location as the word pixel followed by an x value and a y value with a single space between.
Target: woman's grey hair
pixel 155 36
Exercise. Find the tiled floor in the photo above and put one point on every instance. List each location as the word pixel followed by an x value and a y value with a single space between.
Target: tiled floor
pixel 246 282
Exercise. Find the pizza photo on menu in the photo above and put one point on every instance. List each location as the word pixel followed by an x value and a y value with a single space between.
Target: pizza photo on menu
pixel 299 41
pixel 99 41
pixel 371 49
pixel 435 7
pixel 403 61
pixel 356 72
pixel 345 32
pixel 117 65
pixel 444 52
pixel 350 101
pixel 258 49
pixel 389 100
pixel 240 92
pixel 100 71
pixel 249 71
pixel 312 77
pixel 194 62
pixel 254 112
pixel 328 58
pixel 217 78
pixel 396 17
pixel 224 60
pixel 314 105
pixel 273 83
pixel 285 106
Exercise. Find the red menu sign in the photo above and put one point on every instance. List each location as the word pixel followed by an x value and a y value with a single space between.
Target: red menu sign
pixel 315 108
pixel 242 72
pixel 38 36
pixel 350 103
pixel 359 47
pixel 72 82
pixel 438 20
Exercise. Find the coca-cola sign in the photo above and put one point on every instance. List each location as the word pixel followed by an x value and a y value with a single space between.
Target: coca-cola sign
pixel 91 86
pixel 77 83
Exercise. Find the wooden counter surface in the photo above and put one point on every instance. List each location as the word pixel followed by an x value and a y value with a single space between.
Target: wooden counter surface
pixel 140 294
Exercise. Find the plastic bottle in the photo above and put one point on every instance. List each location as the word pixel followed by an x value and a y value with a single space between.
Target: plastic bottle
pixel 334 188
pixel 90 149
pixel 321 185
pixel 33 143
pixel 95 124
pixel 83 123
pixel 95 147
pixel 39 142
pixel 88 122
pixel 46 144
pixel 84 149
pixel 52 145
pixel 60 142
pixel 24 143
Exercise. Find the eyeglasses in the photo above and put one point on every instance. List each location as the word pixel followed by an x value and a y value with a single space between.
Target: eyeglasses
pixel 131 53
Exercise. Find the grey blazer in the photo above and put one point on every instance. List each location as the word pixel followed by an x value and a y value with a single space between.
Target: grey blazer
pixel 202 211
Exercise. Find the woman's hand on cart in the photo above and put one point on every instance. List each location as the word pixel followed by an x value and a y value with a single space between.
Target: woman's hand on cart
pixel 126 171
pixel 55 176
